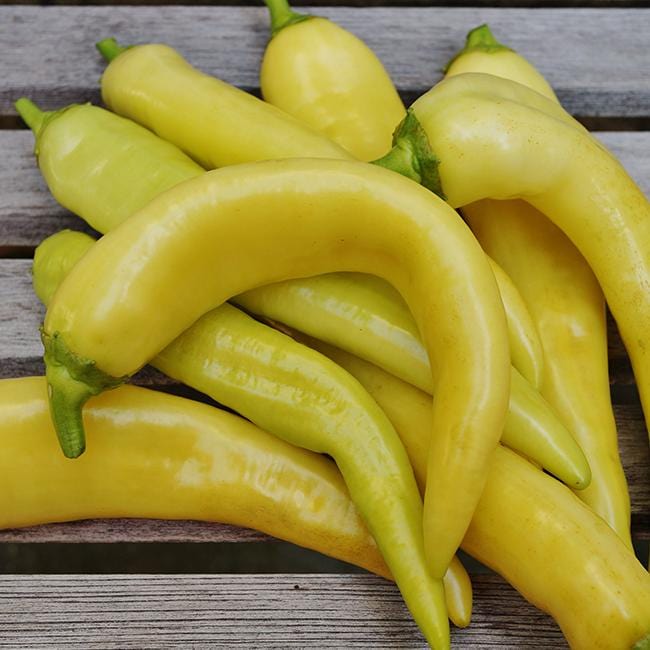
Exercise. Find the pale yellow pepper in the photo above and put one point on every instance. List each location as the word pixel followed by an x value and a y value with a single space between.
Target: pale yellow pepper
pixel 224 126
pixel 155 455
pixel 488 137
pixel 219 235
pixel 156 87
pixel 563 297
pixel 331 80
pixel 534 531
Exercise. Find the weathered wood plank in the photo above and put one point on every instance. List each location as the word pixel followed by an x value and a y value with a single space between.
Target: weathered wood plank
pixel 28 213
pixel 348 3
pixel 595 70
pixel 227 611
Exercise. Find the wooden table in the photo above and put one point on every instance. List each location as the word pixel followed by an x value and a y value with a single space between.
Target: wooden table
pixel 598 60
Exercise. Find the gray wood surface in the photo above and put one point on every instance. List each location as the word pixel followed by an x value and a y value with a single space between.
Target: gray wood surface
pixel 28 213
pixel 597 59
pixel 246 611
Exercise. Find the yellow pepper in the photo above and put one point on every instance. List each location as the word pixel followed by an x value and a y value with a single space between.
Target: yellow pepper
pixel 298 395
pixel 160 456
pixel 329 79
pixel 533 531
pixel 367 317
pixel 141 83
pixel 219 234
pixel 489 137
pixel 564 299
pixel 226 354
pixel 154 86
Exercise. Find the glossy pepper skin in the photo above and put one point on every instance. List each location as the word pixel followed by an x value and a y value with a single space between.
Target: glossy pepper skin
pixel 302 397
pixel 155 455
pixel 564 299
pixel 533 531
pixel 219 234
pixel 154 86
pixel 329 79
pixel 367 317
pixel 538 153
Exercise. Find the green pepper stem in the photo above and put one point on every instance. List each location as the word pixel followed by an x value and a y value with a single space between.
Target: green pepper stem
pixel 32 115
pixel 480 39
pixel 412 156
pixel 71 381
pixel 642 644
pixel 109 48
pixel 282 15
pixel 67 397
pixel 401 159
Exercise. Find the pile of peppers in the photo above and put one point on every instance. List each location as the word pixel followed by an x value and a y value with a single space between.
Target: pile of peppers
pixel 405 308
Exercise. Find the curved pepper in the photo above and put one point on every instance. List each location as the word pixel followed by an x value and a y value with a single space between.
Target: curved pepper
pixel 298 395
pixel 563 297
pixel 533 531
pixel 69 160
pixel 223 376
pixel 154 86
pixel 219 234
pixel 159 456
pixel 328 78
pixel 140 83
pixel 538 153
pixel 366 317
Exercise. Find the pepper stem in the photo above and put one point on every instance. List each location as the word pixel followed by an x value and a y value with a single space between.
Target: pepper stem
pixel 71 381
pixel 479 39
pixel 32 115
pixel 67 397
pixel 282 15
pixel 109 48
pixel 412 156
pixel 482 37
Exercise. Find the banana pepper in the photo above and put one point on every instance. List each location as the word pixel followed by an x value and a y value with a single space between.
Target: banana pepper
pixel 305 399
pixel 368 318
pixel 140 83
pixel 533 531
pixel 329 79
pixel 235 360
pixel 154 85
pixel 219 234
pixel 156 455
pixel 536 152
pixel 563 297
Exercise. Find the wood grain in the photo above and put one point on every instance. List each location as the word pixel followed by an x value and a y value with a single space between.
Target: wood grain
pixel 245 611
pixel 597 59
pixel 28 213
